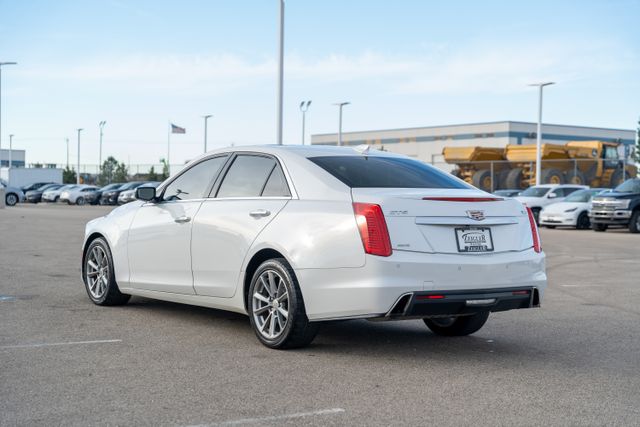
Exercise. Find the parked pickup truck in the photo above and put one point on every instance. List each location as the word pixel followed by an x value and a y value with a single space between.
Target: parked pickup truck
pixel 618 207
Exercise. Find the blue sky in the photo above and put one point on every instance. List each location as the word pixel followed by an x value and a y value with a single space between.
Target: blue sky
pixel 138 64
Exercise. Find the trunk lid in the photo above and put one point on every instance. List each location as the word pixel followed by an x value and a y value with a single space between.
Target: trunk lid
pixel 450 227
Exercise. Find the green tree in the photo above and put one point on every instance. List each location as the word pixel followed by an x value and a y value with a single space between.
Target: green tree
pixel 121 174
pixel 152 175
pixel 112 171
pixel 165 170
pixel 69 176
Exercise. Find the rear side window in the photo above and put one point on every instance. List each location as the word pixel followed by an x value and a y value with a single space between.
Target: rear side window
pixel 385 172
pixel 276 185
pixel 247 176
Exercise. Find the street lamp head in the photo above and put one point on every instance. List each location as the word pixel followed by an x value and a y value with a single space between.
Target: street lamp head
pixel 341 104
pixel 102 123
pixel 207 116
pixel 304 106
pixel 542 84
pixel 80 129
pixel 308 103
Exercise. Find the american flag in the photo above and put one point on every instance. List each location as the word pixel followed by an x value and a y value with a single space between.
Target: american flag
pixel 177 129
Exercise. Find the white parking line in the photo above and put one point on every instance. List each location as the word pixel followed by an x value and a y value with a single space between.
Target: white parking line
pixel 57 343
pixel 261 420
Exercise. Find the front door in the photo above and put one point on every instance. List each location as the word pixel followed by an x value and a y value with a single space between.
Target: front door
pixel 159 242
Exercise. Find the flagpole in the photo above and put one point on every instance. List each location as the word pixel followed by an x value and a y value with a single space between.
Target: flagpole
pixel 169 146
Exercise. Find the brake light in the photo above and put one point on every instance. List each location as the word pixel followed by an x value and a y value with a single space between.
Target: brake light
pixel 463 199
pixel 534 231
pixel 373 229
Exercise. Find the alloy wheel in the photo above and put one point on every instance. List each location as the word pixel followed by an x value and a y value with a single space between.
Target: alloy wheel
pixel 270 304
pixel 97 272
pixel 11 199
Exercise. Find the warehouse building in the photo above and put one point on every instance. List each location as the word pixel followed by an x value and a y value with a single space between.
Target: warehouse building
pixel 17 158
pixel 426 143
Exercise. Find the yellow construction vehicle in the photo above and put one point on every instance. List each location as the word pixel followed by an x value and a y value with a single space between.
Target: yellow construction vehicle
pixel 594 163
pixel 474 165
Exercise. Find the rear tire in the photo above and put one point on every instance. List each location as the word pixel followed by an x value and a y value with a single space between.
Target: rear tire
pixel 551 176
pixel 482 180
pixel 599 227
pixel 575 177
pixel 457 326
pixel 634 223
pixel 276 308
pixel 99 276
pixel 550 226
pixel 513 179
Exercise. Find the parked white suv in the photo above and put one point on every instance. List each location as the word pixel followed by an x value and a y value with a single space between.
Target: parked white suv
pixel 539 196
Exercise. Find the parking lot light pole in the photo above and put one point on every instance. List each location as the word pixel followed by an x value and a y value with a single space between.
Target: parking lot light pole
pixel 67 140
pixel 280 72
pixel 340 105
pixel 78 171
pixel 206 118
pixel 304 106
pixel 539 130
pixel 101 125
pixel 10 150
pixel 1 64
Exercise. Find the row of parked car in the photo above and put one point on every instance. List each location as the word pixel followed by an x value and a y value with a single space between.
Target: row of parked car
pixel 582 207
pixel 81 194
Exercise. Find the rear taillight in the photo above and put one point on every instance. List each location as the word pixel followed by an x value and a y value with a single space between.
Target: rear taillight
pixel 373 229
pixel 534 231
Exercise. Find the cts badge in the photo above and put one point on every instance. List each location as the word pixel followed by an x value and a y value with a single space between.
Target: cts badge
pixel 477 215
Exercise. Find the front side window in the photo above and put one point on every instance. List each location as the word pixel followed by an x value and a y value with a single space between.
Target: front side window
pixel 385 172
pixel 581 196
pixel 247 176
pixel 193 183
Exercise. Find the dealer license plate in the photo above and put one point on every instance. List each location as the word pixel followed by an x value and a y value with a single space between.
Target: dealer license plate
pixel 474 239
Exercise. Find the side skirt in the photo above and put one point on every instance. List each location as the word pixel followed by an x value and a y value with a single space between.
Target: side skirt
pixel 227 304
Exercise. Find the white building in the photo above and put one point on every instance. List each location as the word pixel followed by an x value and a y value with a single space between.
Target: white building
pixel 426 143
pixel 17 158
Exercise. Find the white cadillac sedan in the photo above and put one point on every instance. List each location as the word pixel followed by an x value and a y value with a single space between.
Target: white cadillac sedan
pixel 297 235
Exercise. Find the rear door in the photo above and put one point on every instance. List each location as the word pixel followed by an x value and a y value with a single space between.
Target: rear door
pixel 251 193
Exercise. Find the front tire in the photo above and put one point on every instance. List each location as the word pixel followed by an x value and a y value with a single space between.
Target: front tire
pixel 99 276
pixel 11 199
pixel 80 201
pixel 276 308
pixel 634 223
pixel 457 326
pixel 583 222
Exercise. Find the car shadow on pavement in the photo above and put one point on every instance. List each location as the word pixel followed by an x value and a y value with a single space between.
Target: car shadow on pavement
pixel 399 339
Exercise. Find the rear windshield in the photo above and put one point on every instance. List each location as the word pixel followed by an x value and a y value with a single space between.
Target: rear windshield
pixel 535 192
pixel 385 172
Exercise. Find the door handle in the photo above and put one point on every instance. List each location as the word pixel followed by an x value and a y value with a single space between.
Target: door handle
pixel 259 213
pixel 182 219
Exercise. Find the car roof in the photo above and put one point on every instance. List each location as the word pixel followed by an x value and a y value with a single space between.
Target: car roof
pixel 304 150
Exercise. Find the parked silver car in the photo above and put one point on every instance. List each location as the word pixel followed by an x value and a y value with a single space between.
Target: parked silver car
pixel 12 195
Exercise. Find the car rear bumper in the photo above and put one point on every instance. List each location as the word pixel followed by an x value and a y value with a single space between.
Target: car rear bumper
pixel 461 303
pixel 372 291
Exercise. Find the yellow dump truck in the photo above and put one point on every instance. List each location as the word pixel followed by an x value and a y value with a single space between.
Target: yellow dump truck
pixel 473 164
pixel 594 163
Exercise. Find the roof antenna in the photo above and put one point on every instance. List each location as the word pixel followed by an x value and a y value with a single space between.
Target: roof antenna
pixel 363 149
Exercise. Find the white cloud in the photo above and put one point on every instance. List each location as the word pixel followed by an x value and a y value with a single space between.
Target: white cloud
pixel 480 68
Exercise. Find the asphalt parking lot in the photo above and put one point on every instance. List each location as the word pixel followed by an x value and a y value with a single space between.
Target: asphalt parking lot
pixel 65 361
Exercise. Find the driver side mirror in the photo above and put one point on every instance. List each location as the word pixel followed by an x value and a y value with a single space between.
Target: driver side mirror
pixel 552 195
pixel 146 193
